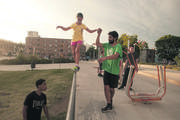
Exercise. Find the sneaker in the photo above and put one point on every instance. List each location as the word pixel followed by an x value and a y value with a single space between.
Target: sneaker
pixel 76 68
pixel 100 75
pixel 107 108
pixel 121 87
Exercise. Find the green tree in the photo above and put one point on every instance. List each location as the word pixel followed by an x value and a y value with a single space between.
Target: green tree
pixel 177 59
pixel 168 47
pixel 123 40
pixel 142 44
pixel 92 52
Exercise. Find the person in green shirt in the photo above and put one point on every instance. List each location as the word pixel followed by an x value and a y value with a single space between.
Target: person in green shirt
pixel 110 60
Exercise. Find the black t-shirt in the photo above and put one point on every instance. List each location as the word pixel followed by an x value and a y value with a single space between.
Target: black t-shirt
pixel 35 104
pixel 131 59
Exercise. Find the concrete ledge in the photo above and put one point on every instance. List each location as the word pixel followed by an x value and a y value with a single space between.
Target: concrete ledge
pixel 71 107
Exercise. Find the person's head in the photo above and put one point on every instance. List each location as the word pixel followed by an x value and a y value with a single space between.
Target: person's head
pixel 41 84
pixel 131 48
pixel 112 36
pixel 79 17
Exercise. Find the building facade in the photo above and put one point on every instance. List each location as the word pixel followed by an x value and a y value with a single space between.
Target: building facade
pixel 147 56
pixel 49 47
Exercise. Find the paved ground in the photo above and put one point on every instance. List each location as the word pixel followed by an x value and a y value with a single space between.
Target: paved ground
pixel 90 99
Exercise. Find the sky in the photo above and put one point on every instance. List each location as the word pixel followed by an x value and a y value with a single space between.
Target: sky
pixel 149 19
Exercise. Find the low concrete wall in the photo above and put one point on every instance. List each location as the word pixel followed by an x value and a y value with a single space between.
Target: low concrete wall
pixel 71 107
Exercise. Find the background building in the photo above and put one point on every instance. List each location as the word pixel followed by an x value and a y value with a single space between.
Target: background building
pixel 147 56
pixel 49 47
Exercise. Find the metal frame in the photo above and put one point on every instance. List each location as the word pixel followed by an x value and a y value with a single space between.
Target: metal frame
pixel 138 97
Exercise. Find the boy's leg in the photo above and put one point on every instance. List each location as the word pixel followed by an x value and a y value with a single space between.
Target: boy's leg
pixel 108 99
pixel 112 93
pixel 107 93
pixel 113 84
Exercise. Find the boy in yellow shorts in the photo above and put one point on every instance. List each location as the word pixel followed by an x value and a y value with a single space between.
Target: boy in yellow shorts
pixel 77 39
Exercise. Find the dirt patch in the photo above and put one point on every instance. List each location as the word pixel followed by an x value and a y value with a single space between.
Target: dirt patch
pixel 4 94
pixel 61 105
pixel 1 105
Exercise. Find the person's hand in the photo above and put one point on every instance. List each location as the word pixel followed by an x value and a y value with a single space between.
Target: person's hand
pixel 58 27
pixel 101 59
pixel 99 30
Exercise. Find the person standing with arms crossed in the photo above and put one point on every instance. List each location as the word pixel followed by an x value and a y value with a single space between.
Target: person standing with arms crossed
pixel 35 101
pixel 111 59
pixel 77 39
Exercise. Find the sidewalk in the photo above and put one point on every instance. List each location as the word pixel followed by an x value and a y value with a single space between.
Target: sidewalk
pixel 90 99
pixel 38 67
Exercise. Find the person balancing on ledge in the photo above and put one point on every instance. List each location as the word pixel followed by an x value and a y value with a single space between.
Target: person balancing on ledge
pixel 77 39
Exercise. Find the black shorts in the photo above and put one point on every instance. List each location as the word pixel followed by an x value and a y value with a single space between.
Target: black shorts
pixel 111 79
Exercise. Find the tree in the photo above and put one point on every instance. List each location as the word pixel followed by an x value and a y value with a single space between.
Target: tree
pixel 142 44
pixel 92 52
pixel 123 40
pixel 168 47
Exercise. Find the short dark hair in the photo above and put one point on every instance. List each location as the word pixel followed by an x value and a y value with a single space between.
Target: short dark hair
pixel 39 82
pixel 79 14
pixel 114 34
pixel 131 45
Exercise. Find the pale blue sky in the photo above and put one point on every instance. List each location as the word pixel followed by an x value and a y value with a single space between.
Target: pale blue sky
pixel 149 19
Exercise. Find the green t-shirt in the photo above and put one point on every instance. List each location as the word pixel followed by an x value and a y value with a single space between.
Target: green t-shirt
pixel 112 66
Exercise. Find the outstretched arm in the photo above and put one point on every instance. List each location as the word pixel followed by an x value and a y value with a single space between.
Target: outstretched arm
pixel 98 44
pixel 63 28
pixel 91 31
pixel 112 57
